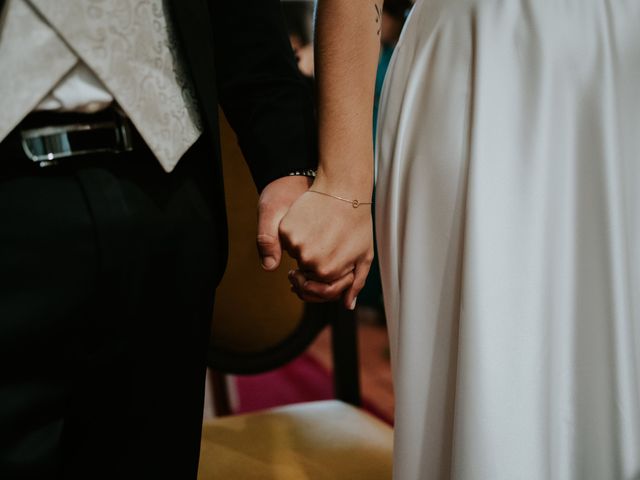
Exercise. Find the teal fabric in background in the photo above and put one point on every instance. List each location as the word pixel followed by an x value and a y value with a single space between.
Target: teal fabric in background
pixel 371 294
pixel 385 57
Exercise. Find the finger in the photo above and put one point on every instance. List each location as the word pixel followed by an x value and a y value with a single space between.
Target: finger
pixel 319 291
pixel 351 296
pixel 329 291
pixel 324 273
pixel 297 280
pixel 267 240
pixel 306 297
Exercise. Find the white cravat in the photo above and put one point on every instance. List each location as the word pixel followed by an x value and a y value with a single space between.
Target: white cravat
pixel 78 91
pixel 127 45
pixel 33 59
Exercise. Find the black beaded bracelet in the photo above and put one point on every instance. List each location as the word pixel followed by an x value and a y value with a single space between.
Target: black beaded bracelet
pixel 303 173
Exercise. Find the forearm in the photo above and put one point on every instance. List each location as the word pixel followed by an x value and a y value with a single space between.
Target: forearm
pixel 262 93
pixel 347 49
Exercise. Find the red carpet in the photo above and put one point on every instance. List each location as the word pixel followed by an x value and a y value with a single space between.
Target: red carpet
pixel 302 380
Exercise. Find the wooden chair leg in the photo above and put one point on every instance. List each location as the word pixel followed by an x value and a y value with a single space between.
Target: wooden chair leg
pixel 344 341
pixel 220 394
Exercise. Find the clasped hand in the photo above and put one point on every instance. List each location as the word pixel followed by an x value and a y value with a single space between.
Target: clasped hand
pixel 331 241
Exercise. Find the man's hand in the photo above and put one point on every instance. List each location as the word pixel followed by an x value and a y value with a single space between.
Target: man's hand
pixel 274 203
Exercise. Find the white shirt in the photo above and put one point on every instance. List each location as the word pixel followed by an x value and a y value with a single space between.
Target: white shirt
pixel 78 91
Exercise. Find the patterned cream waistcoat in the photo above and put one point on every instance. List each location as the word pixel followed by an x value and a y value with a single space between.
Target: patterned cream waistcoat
pixel 126 43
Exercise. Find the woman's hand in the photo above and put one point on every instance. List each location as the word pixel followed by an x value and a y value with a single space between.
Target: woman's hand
pixel 333 244
pixel 331 240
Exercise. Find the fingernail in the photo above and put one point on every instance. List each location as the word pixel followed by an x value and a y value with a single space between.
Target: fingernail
pixel 353 304
pixel 268 262
pixel 305 284
pixel 291 272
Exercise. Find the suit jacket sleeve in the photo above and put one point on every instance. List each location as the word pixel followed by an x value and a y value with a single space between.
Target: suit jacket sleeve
pixel 260 89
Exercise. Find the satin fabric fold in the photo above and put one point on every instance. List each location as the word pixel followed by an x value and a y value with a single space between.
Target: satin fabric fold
pixel 508 228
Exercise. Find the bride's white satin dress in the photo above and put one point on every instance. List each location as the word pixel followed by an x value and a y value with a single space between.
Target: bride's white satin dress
pixel 508 221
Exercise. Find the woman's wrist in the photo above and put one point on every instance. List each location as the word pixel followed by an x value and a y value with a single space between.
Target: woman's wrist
pixel 352 185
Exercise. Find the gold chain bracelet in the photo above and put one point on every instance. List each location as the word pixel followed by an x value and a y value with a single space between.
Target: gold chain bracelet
pixel 354 203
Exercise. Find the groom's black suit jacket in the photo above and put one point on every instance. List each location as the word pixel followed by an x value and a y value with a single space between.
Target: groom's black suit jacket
pixel 109 272
pixel 239 57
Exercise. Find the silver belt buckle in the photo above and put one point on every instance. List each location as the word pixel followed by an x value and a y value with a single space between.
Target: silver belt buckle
pixel 46 146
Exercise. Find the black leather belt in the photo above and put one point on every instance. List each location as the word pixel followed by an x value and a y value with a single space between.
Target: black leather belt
pixel 46 139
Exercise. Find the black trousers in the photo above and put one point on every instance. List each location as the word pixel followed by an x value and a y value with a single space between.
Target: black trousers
pixel 107 272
